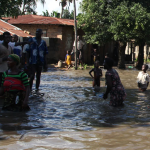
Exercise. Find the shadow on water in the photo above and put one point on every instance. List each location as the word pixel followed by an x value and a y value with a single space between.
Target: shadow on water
pixel 70 103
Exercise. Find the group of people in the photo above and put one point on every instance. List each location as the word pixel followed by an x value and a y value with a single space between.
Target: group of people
pixel 16 84
pixel 80 54
pixel 113 82
pixel 80 58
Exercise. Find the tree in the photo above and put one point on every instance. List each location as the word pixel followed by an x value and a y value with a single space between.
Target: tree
pixel 29 6
pixel 63 3
pixel 10 8
pixel 55 14
pixel 15 8
pixel 46 13
pixel 127 23
pixel 72 15
pixel 67 14
pixel 122 21
pixel 94 21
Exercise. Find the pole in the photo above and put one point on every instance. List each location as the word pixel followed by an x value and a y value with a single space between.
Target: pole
pixel 75 30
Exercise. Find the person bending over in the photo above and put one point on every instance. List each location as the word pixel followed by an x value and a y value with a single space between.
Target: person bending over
pixel 114 85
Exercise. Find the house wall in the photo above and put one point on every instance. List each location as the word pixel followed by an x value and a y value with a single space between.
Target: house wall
pixel 61 40
pixel 67 40
pixel 53 31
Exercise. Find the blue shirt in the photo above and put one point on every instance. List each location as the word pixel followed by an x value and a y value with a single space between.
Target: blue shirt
pixel 37 52
pixel 66 56
pixel 17 50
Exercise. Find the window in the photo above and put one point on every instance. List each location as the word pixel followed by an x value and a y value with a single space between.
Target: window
pixel 44 33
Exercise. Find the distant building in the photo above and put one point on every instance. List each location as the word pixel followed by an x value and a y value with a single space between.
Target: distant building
pixel 59 32
pixel 59 36
pixel 5 26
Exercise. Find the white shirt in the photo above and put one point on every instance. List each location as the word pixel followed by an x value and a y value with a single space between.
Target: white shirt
pixel 79 44
pixel 143 77
pixel 11 44
pixel 4 52
pixel 26 46
pixel 16 49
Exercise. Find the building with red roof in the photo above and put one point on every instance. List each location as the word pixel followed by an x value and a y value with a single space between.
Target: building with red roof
pixel 52 27
pixel 59 32
pixel 5 26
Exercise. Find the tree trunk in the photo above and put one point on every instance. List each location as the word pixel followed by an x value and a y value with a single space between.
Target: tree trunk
pixel 121 62
pixel 62 9
pixel 140 56
pixel 23 13
pixel 75 29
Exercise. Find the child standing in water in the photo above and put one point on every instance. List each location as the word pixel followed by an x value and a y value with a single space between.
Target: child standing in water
pixel 143 78
pixel 68 59
pixel 95 55
pixel 97 74
pixel 15 86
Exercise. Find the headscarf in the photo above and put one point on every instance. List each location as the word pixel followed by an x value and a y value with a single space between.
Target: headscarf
pixel 15 58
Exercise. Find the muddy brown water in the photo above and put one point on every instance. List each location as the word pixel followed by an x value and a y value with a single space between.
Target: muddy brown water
pixel 70 116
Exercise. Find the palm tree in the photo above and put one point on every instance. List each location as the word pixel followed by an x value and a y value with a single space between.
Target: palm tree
pixel 63 3
pixel 46 13
pixel 29 6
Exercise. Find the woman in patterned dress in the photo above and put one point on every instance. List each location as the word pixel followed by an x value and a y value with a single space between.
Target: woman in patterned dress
pixel 114 85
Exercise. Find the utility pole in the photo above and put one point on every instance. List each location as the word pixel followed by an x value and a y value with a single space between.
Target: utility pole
pixel 75 30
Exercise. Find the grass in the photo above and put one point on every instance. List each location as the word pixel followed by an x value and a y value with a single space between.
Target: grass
pixel 80 66
pixel 145 61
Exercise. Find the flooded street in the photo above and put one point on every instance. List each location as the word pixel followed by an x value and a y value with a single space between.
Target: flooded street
pixel 71 116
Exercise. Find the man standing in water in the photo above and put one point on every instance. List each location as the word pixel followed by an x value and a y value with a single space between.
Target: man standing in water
pixel 37 51
pixel 80 45
pixel 5 51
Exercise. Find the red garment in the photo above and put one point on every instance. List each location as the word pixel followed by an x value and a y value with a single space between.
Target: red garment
pixel 11 84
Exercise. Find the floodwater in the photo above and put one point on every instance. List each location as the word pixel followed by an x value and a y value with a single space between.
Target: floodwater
pixel 71 116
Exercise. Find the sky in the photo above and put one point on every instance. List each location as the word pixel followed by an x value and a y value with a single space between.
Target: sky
pixel 53 5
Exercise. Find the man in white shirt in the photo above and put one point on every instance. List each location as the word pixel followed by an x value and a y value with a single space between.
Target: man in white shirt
pixel 16 49
pixel 5 51
pixel 16 45
pixel 80 45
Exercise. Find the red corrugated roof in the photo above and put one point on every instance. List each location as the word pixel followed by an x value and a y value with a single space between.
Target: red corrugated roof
pixel 35 19
pixel 4 26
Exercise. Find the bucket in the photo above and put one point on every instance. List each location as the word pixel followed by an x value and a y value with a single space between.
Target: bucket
pixel 59 63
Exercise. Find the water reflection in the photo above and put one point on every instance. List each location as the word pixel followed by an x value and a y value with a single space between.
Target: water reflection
pixel 69 104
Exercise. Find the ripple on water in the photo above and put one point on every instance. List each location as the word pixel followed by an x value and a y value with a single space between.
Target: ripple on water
pixel 70 105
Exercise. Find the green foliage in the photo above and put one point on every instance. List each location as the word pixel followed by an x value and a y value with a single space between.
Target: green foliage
pixel 94 21
pixel 46 13
pixel 84 66
pixel 118 20
pixel 55 14
pixel 136 60
pixel 14 8
pixel 29 6
pixel 10 8
pixel 147 60
pixel 130 22
pixel 67 14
